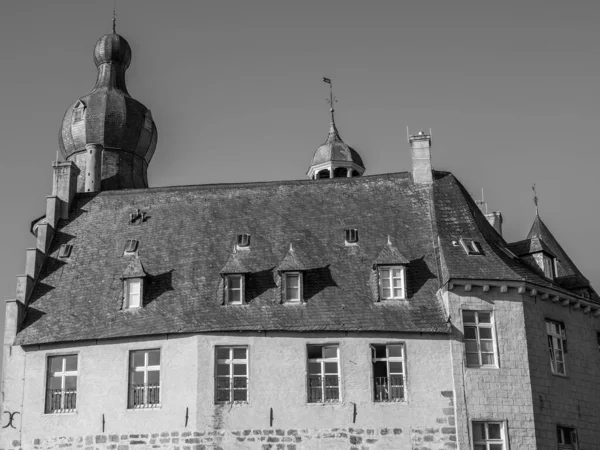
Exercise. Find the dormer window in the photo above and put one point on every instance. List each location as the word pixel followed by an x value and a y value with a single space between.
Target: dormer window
pixel 234 289
pixel 133 293
pixel 243 241
pixel 65 251
pixel 78 112
pixel 351 235
pixel 548 262
pixel 471 247
pixel 130 247
pixel 292 286
pixel 392 282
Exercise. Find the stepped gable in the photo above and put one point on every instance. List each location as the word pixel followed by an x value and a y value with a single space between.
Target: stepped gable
pixel 457 216
pixel 187 239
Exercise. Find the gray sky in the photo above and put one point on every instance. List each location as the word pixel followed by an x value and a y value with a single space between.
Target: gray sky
pixel 509 88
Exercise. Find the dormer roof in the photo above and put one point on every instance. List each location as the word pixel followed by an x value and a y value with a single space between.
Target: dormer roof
pixel 295 259
pixel 390 255
pixel 135 269
pixel 237 262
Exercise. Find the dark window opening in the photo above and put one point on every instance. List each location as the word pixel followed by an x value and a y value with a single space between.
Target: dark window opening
pixel 243 240
pixel 351 235
pixel 323 174
pixel 340 172
pixel 388 372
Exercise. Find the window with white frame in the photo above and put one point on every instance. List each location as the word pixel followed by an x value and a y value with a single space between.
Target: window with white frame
pixel 292 285
pixel 471 247
pixel 557 340
pixel 323 380
pixel 388 372
pixel 133 293
pixel 234 289
pixel 231 374
pixel 144 379
pixel 566 438
pixel 480 349
pixel 61 384
pixel 392 282
pixel 488 436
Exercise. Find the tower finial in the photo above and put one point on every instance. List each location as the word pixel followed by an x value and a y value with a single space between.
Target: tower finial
pixel 535 200
pixel 115 17
pixel 330 101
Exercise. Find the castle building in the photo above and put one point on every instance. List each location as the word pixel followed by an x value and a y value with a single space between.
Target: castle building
pixel 340 311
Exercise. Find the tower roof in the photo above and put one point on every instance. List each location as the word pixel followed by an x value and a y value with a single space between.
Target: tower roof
pixel 335 149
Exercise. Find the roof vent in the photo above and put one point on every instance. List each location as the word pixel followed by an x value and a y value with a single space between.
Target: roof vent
pixel 65 251
pixel 471 247
pixel 351 235
pixel 243 240
pixel 130 247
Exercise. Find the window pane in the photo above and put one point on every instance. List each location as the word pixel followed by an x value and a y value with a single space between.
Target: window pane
pixel 222 369
pixel 380 370
pixel 153 377
pixel 240 383
pixel 55 383
pixel 472 359
pixel 487 346
pixel 56 363
pixel 397 293
pixel 470 333
pixel 222 353
pixel 387 293
pixel 239 369
pixel 471 346
pixel 138 378
pixel 487 359
pixel 235 282
pixel 485 317
pixel 239 353
pixel 154 357
pixel 395 351
pixel 385 283
pixel 292 281
pixel 314 368
pixel 395 367
pixel 480 447
pixel 139 359
pixel 134 287
pixel 71 363
pixel 385 274
pixel 478 431
pixel 235 296
pixel 71 382
pixel 396 273
pixel 331 368
pixel 494 431
pixel 469 316
pixel 240 395
pixel 329 352
pixel 485 333
pixel 397 283
pixel 379 351
pixel 496 447
pixel 314 351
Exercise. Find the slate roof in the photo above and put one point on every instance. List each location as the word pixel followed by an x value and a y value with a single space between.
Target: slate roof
pixel 188 238
pixel 528 246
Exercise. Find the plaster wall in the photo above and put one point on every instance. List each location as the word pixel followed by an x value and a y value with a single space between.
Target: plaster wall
pixel 572 400
pixel 493 394
pixel 277 381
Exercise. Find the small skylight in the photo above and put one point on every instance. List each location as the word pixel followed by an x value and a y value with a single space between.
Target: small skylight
pixel 351 235
pixel 471 247
pixel 243 240
pixel 65 251
pixel 130 247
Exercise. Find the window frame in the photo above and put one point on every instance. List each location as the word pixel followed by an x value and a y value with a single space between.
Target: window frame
pixel 478 325
pixel 387 360
pixel 555 338
pixel 486 442
pixel 391 268
pixel 131 404
pixel 560 433
pixel 64 374
pixel 231 361
pixel 471 246
pixel 351 236
pixel 284 287
pixel 323 375
pixel 229 289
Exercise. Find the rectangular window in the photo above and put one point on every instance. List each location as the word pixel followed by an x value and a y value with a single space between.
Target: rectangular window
pixel 293 286
pixel 144 379
pixel 471 247
pixel 231 374
pixel 488 436
pixel 351 235
pixel 235 289
pixel 480 349
pixel 388 372
pixel 548 267
pixel 323 381
pixel 133 295
pixel 130 247
pixel 566 438
pixel 61 384
pixel 557 340
pixel 391 282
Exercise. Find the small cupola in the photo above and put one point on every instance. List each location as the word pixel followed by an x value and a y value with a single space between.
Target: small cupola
pixel 335 159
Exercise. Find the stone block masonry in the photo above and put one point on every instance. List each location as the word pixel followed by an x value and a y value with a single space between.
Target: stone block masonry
pixel 426 438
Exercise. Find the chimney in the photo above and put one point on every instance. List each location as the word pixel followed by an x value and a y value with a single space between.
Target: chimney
pixel 495 220
pixel 420 150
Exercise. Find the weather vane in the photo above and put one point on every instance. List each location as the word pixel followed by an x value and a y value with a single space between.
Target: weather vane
pixel 535 200
pixel 115 17
pixel 331 100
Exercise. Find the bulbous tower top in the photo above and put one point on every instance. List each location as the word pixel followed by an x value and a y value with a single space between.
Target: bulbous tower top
pixel 108 120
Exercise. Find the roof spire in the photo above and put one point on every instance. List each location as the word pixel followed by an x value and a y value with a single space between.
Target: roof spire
pixel 331 100
pixel 535 200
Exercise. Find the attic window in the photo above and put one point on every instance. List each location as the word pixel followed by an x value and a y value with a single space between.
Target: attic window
pixel 133 293
pixel 78 112
pixel 351 235
pixel 65 251
pixel 471 247
pixel 548 266
pixel 130 247
pixel 243 240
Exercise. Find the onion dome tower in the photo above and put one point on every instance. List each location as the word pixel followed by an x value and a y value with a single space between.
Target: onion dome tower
pixel 335 159
pixel 110 136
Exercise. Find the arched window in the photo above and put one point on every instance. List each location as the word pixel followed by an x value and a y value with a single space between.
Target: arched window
pixel 323 174
pixel 340 172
